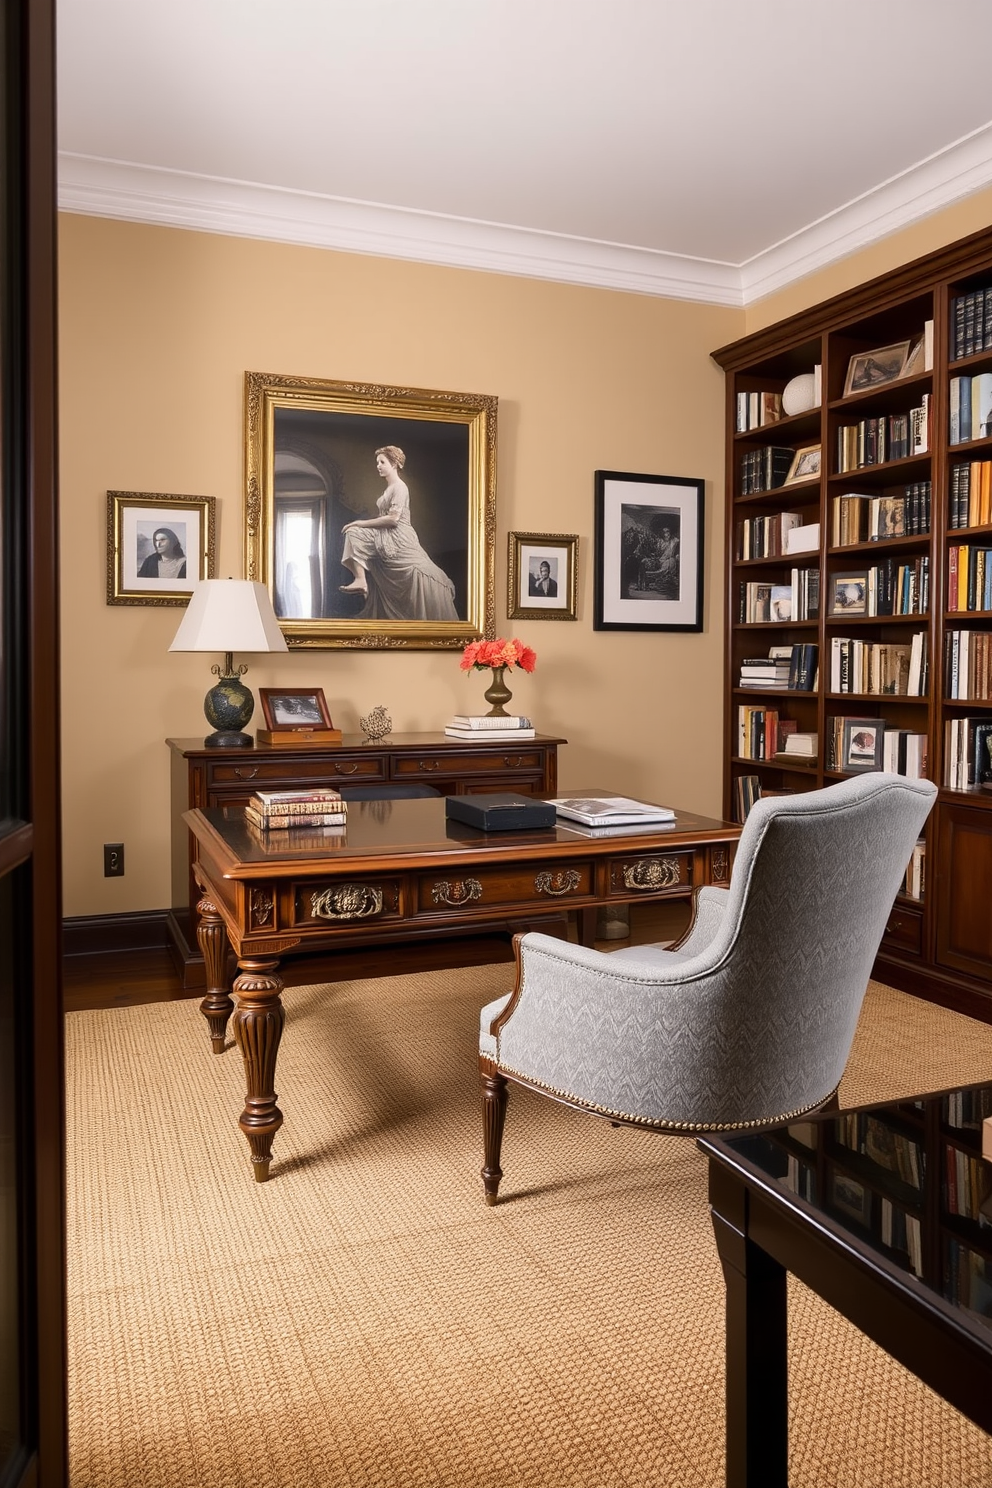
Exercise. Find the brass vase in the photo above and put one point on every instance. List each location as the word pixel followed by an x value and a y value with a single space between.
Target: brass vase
pixel 497 693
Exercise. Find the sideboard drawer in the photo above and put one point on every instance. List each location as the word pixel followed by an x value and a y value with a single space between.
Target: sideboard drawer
pixel 488 762
pixel 905 930
pixel 288 774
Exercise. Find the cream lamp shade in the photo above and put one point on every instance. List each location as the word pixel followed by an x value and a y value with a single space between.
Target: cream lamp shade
pixel 229 615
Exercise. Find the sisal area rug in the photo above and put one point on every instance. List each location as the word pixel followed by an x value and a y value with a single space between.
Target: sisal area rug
pixel 363 1321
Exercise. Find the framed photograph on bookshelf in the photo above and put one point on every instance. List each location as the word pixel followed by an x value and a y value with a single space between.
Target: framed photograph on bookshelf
pixel 158 547
pixel 542 576
pixel 292 709
pixel 861 746
pixel 851 1198
pixel 648 554
pixel 805 465
pixel 848 593
pixel 871 369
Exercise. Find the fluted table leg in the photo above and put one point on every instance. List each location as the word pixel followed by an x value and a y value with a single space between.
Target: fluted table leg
pixel 494 1099
pixel 217 1006
pixel 258 1023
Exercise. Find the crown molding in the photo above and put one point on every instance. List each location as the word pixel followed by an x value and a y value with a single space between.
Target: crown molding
pixel 136 193
pixel 927 187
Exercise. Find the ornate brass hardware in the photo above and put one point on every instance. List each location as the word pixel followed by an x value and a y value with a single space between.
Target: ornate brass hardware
pixel 344 770
pixel 428 765
pixel 556 884
pixel 513 761
pixel 721 864
pixel 652 873
pixel 346 902
pixel 261 907
pixel 245 774
pixel 462 891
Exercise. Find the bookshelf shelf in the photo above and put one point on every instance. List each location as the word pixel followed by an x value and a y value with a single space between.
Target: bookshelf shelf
pixel 943 950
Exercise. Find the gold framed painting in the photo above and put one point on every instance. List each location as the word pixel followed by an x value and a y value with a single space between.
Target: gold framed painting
pixel 541 572
pixel 158 547
pixel 370 511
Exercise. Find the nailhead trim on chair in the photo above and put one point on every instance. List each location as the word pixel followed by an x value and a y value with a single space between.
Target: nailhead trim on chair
pixel 658 1123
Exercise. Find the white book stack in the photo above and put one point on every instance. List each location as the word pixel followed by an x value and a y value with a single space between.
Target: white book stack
pixel 484 726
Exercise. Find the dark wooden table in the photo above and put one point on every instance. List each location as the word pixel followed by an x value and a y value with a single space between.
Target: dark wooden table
pixel 403 869
pixel 878 1211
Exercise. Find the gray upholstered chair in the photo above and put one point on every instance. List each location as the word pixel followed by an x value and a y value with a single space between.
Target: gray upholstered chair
pixel 749 1019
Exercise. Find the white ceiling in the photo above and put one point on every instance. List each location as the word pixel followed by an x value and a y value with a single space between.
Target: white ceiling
pixel 709 149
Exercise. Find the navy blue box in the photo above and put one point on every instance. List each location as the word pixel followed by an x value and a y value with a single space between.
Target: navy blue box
pixel 500 811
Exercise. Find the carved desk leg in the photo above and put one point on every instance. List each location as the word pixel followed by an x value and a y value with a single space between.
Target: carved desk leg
pixel 258 1023
pixel 217 1006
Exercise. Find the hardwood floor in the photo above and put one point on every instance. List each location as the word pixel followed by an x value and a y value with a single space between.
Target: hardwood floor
pixel 127 978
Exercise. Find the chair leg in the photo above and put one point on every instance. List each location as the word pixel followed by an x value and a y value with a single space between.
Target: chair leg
pixel 494 1099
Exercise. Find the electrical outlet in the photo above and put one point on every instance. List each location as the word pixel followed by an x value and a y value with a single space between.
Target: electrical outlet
pixel 113 860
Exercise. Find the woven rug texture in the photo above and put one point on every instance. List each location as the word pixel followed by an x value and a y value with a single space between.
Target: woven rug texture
pixel 362 1320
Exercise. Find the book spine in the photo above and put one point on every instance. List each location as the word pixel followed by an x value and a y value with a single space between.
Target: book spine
pixel 308 807
pixel 316 819
pixel 286 799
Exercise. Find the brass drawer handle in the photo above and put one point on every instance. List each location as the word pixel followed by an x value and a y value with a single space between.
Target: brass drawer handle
pixel 463 891
pixel 557 884
pixel 513 761
pixel 652 873
pixel 346 902
pixel 344 770
pixel 428 765
pixel 245 774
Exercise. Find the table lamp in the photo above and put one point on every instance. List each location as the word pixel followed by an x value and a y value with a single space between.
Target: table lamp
pixel 229 615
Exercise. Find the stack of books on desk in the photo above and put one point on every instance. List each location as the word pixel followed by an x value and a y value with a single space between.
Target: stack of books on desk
pixel 612 811
pixel 321 806
pixel 486 726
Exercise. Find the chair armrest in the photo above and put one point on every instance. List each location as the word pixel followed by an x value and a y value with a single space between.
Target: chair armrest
pixel 708 907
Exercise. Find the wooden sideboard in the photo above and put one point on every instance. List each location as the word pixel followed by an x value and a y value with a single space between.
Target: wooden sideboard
pixel 204 777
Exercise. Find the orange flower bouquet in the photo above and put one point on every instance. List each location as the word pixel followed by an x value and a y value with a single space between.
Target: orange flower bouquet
pixel 497 655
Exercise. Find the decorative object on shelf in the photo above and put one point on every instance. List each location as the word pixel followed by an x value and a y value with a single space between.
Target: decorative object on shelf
pixel 229 615
pixel 799 395
pixel 805 465
pixel 376 725
pixel 424 582
pixel 542 580
pixel 296 717
pixel 499 655
pixel 649 552
pixel 872 369
pixel 158 547
pixel 862 743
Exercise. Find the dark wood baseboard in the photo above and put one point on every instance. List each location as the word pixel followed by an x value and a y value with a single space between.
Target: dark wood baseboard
pixel 947 990
pixel 94 935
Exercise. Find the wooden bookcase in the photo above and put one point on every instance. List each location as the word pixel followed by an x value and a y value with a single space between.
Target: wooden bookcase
pixel 939 945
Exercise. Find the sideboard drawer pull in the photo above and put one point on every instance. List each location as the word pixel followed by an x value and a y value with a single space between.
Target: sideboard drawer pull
pixel 513 761
pixel 245 774
pixel 345 769
pixel 428 765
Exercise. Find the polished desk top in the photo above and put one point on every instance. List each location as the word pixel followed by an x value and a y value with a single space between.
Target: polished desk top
pixel 412 829
pixel 901 1184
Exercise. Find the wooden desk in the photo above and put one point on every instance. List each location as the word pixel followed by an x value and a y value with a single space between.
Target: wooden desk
pixel 204 777
pixel 402 868
pixel 809 1198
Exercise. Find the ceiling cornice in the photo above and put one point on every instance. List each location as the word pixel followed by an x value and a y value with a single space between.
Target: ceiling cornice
pixel 135 193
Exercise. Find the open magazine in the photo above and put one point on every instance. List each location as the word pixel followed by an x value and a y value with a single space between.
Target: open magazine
pixel 610 811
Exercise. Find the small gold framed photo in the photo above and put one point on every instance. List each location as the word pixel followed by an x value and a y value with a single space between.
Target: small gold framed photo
pixel 158 547
pixel 805 465
pixel 542 576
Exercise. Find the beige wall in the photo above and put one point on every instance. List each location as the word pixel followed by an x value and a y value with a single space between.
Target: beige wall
pixel 157 329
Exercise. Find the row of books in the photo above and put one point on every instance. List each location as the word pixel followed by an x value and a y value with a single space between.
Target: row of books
pixel 785 667
pixel 883 1145
pixel 914 883
pixel 765 469
pixel 969 578
pixel 967 757
pixel 321 806
pixel 883 667
pixel 876 441
pixel 762 602
pixel 971 323
pixel 967 1190
pixel 858 518
pixel 757 410
pixel 965 1110
pixel 762 733
pixel 968 664
pixel 967 1278
pixel 747 790
pixel 969 411
pixel 971 493
pixel 488 726
pixel 901 1231
pixel 776 535
pixel 886 588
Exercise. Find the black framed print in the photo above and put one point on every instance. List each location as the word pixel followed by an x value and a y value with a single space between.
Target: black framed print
pixel 648 552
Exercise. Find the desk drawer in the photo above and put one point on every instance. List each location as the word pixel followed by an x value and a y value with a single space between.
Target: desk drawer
pixel 466 764
pixel 343 903
pixel 275 774
pixel 904 931
pixel 447 891
pixel 650 873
